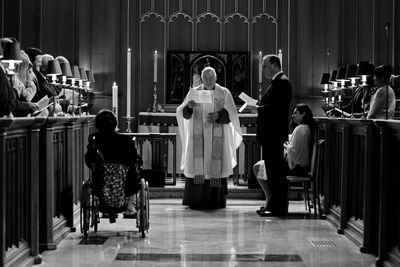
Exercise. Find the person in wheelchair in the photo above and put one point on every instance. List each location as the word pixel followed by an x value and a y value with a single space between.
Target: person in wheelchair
pixel 107 147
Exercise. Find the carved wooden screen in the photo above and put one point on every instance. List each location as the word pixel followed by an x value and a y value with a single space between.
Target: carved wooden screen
pixel 184 70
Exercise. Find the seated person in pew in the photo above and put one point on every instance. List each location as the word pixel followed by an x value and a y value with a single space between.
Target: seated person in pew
pixel 359 104
pixel 297 150
pixel 43 86
pixel 13 101
pixel 378 103
pixel 114 148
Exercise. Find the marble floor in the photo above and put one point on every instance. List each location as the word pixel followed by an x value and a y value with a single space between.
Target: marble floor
pixel 234 236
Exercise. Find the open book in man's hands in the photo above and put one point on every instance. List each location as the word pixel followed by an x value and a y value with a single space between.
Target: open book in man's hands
pixel 42 104
pixel 247 101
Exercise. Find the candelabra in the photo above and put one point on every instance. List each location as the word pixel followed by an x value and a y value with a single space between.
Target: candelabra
pixel 128 124
pixel 155 107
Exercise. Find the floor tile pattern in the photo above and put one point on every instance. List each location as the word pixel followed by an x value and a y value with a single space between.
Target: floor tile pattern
pixel 234 236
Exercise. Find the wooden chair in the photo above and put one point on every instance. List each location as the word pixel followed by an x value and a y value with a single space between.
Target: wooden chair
pixel 311 180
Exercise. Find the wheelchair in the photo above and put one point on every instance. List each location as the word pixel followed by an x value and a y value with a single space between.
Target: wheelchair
pixel 91 208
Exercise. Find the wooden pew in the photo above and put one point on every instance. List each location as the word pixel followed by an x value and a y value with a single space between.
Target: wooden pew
pixel 62 171
pixel 19 196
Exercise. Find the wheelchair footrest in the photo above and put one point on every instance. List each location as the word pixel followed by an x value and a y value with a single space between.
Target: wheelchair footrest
pixel 130 216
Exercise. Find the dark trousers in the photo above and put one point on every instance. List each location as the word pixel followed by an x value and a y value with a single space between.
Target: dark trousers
pixel 276 173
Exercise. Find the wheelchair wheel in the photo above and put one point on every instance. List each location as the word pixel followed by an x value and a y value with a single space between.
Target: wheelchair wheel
pixel 147 208
pixel 143 212
pixel 85 209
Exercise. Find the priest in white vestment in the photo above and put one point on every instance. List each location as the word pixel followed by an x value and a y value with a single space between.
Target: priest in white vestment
pixel 210 132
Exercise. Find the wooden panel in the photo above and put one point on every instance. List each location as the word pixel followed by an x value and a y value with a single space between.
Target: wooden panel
pixel 11 15
pixel 50 23
pixel 187 7
pixel 104 43
pixel 208 34
pixel 150 43
pixel 236 34
pixel 383 14
pixel 303 53
pixel 230 7
pixel 67 42
pixel 145 5
pixel 159 6
pixel 365 31
pixel 180 37
pixel 396 37
pixel 243 6
pixel 174 6
pixel 284 41
pixel 271 7
pixel 201 6
pixel 332 33
pixel 349 32
pixel 319 57
pixel 100 68
pixel 30 24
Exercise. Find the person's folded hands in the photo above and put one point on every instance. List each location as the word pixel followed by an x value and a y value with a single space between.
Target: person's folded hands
pixel 212 117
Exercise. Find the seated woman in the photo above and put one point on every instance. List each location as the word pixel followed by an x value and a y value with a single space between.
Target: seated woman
pixel 297 150
pixel 115 148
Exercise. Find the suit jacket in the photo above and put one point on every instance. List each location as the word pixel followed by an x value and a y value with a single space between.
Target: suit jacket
pixel 7 97
pixel 273 111
pixel 43 87
pixel 8 100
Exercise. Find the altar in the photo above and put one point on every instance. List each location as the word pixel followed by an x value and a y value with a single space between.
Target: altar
pixel 156 122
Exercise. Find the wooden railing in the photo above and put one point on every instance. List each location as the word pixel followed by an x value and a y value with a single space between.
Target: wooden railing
pixel 42 169
pixel 252 154
pixel 361 181
pixel 62 170
pixel 162 149
pixel 19 196
pixel 159 144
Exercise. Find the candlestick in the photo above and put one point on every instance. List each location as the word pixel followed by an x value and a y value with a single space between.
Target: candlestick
pixel 128 84
pixel 155 66
pixel 73 96
pixel 280 57
pixel 128 124
pixel 154 106
pixel 260 67
pixel 115 99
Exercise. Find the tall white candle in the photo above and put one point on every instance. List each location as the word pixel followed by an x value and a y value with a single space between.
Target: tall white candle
pixel 280 57
pixel 155 66
pixel 128 83
pixel 115 98
pixel 260 67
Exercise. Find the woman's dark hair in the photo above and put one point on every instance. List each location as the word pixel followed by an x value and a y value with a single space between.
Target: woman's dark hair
pixel 106 121
pixel 308 118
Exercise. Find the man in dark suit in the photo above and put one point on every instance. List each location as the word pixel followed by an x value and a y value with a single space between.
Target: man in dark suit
pixel 272 132
pixel 43 86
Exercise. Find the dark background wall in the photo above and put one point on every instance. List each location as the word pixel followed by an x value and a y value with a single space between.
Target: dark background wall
pixel 95 34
